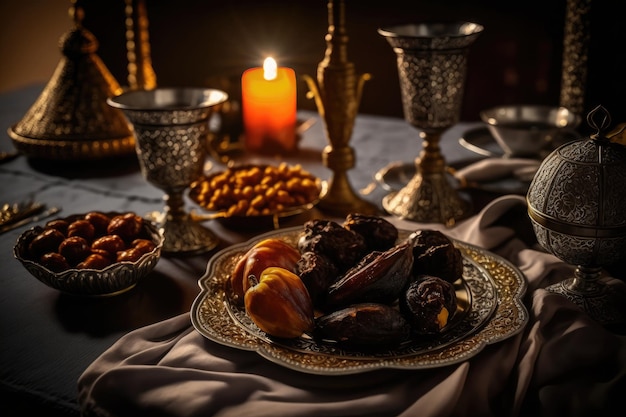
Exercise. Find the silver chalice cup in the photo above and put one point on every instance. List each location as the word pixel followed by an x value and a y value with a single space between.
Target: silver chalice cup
pixel 432 66
pixel 170 127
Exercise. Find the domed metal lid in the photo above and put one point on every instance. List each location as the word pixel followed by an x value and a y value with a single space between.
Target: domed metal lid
pixel 579 188
pixel 71 119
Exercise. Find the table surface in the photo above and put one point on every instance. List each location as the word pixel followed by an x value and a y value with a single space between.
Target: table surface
pixel 50 338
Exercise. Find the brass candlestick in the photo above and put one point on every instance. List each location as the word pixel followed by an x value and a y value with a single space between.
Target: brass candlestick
pixel 141 75
pixel 337 95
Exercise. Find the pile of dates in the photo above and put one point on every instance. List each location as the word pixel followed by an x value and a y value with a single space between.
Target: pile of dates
pixel 353 283
pixel 91 241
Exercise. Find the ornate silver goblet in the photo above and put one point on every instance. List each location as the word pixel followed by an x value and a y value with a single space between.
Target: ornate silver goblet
pixel 170 127
pixel 432 66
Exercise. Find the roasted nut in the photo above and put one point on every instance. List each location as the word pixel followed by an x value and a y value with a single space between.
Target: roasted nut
pixel 75 249
pixel 255 190
pixel 100 221
pixel 47 241
pixel 94 261
pixel 127 226
pixel 109 243
pixel 81 228
pixel 54 262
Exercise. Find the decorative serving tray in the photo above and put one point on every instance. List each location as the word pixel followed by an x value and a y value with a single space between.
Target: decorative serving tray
pixel 489 310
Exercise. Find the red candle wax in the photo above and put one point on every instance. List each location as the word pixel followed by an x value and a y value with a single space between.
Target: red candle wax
pixel 268 100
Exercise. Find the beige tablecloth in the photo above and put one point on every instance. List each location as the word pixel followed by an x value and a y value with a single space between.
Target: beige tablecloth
pixel 561 364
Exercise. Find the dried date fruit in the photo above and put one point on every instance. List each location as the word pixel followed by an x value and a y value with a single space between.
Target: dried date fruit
pixel 81 228
pixel 70 243
pixel 58 224
pixel 379 277
pixel 106 254
pixel 279 303
pixel 54 262
pixel 100 221
pixel 109 243
pixel 342 246
pixel 379 234
pixel 435 254
pixel 127 226
pixel 45 242
pixel 143 245
pixel 74 249
pixel 94 261
pixel 363 325
pixel 268 252
pixel 317 273
pixel 129 255
pixel 428 304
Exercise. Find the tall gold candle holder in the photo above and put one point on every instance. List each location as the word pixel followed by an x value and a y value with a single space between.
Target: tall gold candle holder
pixel 141 75
pixel 337 95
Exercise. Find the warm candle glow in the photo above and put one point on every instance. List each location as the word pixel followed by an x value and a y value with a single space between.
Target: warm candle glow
pixel 268 100
pixel 270 69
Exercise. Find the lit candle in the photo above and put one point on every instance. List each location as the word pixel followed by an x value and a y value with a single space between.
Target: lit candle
pixel 268 100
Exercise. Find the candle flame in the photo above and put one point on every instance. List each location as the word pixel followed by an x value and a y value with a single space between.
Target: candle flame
pixel 270 68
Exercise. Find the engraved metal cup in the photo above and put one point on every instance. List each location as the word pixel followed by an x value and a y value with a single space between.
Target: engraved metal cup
pixel 432 66
pixel 170 127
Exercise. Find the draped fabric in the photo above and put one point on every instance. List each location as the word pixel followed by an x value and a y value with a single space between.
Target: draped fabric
pixel 548 369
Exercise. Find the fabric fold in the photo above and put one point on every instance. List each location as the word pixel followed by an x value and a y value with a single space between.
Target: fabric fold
pixel 489 169
pixel 169 369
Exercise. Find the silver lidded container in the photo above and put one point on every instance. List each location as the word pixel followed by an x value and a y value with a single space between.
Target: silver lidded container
pixel 577 206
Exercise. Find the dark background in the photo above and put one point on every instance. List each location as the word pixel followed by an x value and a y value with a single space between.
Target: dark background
pixel 516 60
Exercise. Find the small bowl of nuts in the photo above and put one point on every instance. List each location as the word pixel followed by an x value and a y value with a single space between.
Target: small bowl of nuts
pixel 92 254
pixel 256 196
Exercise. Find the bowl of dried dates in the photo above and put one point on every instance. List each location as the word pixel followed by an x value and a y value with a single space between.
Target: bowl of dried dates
pixel 92 254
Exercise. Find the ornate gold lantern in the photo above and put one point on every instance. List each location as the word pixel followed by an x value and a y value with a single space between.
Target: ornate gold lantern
pixel 71 120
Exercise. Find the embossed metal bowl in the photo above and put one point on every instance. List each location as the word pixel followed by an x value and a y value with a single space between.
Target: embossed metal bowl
pixel 115 279
pixel 577 207
pixel 527 130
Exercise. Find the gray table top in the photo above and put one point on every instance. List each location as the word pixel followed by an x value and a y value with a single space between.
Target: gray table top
pixel 49 338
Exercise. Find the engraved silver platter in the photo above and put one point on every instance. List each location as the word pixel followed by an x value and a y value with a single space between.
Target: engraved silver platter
pixel 490 310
